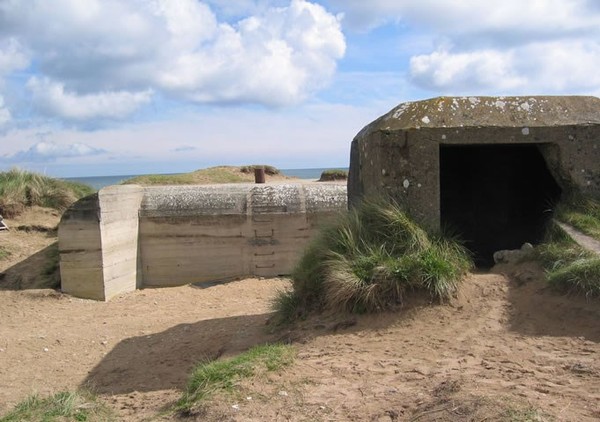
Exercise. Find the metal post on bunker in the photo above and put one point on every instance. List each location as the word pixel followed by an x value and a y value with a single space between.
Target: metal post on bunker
pixel 259 174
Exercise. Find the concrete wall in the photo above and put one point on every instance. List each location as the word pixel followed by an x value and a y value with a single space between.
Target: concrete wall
pixel 174 235
pixel 98 243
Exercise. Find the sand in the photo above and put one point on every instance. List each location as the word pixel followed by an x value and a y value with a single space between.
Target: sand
pixel 507 345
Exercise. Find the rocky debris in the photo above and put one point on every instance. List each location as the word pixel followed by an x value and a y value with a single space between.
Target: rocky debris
pixel 514 256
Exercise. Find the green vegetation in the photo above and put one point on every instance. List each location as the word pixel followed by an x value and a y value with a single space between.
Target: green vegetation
pixel 66 406
pixel 4 252
pixel 21 189
pixel 369 260
pixel 221 376
pixel 330 175
pixel 213 175
pixel 570 268
pixel 582 213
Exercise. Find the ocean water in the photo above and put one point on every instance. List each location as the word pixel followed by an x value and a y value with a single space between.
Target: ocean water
pixel 98 182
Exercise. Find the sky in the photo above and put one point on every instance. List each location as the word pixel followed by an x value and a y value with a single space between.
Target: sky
pixel 121 87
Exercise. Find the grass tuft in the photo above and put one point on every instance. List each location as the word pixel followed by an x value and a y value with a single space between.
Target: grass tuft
pixel 569 268
pixel 581 276
pixel 221 376
pixel 21 189
pixel 4 252
pixel 582 213
pixel 65 406
pixel 368 261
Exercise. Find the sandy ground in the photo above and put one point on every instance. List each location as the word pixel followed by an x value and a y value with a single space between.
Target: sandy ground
pixel 506 346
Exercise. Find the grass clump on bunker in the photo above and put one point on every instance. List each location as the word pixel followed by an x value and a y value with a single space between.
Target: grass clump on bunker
pixel 222 376
pixel 21 189
pixel 369 260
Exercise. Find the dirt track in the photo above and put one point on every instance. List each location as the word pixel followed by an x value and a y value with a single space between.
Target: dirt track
pixel 500 345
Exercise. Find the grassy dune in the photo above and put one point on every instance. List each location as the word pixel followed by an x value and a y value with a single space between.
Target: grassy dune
pixel 212 175
pixel 20 189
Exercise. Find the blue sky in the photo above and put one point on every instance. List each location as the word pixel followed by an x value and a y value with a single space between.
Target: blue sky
pixel 110 87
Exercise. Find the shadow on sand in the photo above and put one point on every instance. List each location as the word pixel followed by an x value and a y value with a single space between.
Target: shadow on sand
pixel 164 360
pixel 37 271
pixel 538 310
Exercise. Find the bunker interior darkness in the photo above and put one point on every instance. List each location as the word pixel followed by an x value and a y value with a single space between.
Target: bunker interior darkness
pixel 495 196
pixel 489 169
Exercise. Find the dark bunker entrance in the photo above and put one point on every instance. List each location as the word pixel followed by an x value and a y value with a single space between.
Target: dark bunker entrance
pixel 495 196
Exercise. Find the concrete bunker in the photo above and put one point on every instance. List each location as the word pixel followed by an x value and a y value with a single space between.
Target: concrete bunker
pixel 491 168
pixel 128 237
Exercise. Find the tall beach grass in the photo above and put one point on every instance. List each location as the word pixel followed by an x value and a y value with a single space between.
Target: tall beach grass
pixel 20 189
pixel 369 260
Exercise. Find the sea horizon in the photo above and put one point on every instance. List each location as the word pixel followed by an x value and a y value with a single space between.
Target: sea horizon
pixel 99 182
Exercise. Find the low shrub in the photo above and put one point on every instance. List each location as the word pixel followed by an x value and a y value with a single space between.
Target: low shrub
pixel 332 175
pixel 21 189
pixel 369 260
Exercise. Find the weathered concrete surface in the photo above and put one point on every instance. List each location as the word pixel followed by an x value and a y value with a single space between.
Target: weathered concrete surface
pixel 398 155
pixel 98 243
pixel 128 236
pixel 193 234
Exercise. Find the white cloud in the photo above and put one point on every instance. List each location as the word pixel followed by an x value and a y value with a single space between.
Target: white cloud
pixel 493 47
pixel 542 68
pixel 91 54
pixel 465 72
pixel 12 56
pixel 5 115
pixel 52 99
pixel 547 17
pixel 47 151
pixel 276 58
